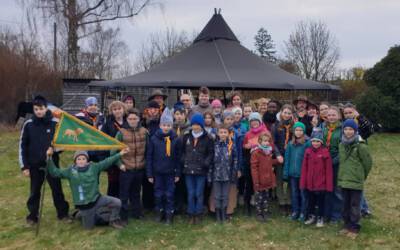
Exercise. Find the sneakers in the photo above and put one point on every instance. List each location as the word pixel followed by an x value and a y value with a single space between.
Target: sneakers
pixel 310 220
pixel 301 218
pixel 294 216
pixel 117 224
pixel 320 222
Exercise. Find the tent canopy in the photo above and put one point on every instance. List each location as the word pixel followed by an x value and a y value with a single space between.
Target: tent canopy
pixel 216 59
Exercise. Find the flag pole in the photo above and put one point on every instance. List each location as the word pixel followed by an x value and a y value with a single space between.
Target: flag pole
pixel 41 202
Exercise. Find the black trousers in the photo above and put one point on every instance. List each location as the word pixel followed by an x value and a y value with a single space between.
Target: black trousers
pixel 180 196
pixel 37 179
pixel 130 183
pixel 351 209
pixel 316 203
pixel 147 194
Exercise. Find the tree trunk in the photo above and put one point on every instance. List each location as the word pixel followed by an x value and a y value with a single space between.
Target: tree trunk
pixel 73 49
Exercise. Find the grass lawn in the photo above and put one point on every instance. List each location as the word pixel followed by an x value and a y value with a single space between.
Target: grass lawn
pixel 382 231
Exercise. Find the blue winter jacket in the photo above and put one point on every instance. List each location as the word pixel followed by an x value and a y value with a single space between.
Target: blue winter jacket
pixel 294 155
pixel 157 161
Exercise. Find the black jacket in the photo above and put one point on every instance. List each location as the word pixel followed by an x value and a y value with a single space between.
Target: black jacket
pixel 36 136
pixel 196 160
pixel 157 162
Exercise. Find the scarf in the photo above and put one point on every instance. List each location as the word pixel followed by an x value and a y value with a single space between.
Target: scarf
pixel 349 141
pixel 266 149
pixel 257 130
pixel 331 128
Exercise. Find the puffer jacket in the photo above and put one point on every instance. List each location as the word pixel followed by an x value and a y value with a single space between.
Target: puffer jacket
pixel 224 166
pixel 262 170
pixel 196 157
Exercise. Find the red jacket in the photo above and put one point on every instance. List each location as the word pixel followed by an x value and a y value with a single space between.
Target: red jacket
pixel 262 171
pixel 316 171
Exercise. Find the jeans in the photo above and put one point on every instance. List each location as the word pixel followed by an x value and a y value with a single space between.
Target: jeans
pixel 195 188
pixel 334 200
pixel 282 189
pixel 364 204
pixel 164 191
pixel 298 196
pixel 130 183
pixel 351 209
pixel 221 192
pixel 104 201
pixel 316 199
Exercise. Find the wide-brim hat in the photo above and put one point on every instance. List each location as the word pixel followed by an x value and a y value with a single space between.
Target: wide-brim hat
pixel 157 92
pixel 301 98
pixel 312 104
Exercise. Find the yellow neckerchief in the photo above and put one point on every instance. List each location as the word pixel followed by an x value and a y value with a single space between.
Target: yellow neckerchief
pixel 167 146
pixel 230 142
pixel 331 128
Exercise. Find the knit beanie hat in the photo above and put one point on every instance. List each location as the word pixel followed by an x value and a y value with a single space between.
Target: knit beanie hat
pixel 299 125
pixel 216 103
pixel 237 109
pixel 317 135
pixel 228 113
pixel 255 116
pixel 91 101
pixel 179 106
pixel 198 119
pixel 350 123
pixel 78 153
pixel 166 117
pixel 153 104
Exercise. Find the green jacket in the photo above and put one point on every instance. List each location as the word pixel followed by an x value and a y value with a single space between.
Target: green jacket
pixel 355 164
pixel 84 184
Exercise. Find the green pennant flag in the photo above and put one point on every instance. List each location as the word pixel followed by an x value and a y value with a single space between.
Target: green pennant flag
pixel 74 134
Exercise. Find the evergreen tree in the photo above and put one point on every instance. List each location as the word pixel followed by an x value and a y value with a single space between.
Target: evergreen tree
pixel 265 46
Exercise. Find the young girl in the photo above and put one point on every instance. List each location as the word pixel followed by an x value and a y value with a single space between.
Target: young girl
pixel 217 111
pixel 282 133
pixel 223 171
pixel 316 177
pixel 294 155
pixel 114 122
pixel 355 165
pixel 247 110
pixel 262 173
pixel 209 124
pixel 83 177
pixel 236 100
pixel 331 130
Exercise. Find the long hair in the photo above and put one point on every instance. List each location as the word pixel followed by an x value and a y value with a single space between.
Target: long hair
pixel 281 125
pixel 212 118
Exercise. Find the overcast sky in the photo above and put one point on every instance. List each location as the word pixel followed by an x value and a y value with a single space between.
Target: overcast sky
pixel 365 29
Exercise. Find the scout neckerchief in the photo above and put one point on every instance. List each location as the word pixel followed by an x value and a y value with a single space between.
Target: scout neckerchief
pixel 331 128
pixel 167 146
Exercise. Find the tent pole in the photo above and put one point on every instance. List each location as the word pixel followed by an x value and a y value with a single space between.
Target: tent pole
pixel 223 90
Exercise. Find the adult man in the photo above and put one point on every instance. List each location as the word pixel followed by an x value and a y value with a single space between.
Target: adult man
pixel 186 99
pixel 159 97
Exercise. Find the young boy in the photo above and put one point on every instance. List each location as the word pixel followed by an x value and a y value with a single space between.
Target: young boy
pixel 223 171
pixel 262 173
pixel 196 157
pixel 36 136
pixel 181 125
pixel 355 163
pixel 132 165
pixel 83 177
pixel 162 167
pixel 247 110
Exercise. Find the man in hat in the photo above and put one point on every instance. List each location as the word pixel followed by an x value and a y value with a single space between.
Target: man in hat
pixel 158 96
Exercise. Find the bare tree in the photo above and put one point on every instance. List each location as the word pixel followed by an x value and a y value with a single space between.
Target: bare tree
pixel 314 50
pixel 161 46
pixel 80 17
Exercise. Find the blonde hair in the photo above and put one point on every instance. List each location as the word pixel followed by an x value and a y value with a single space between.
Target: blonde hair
pixel 337 110
pixel 265 135
pixel 115 104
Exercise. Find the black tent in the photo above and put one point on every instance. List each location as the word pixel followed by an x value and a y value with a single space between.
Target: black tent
pixel 216 59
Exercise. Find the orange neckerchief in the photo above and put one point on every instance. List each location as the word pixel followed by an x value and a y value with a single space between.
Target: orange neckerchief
pixel 167 146
pixel 230 142
pixel 331 128
pixel 287 133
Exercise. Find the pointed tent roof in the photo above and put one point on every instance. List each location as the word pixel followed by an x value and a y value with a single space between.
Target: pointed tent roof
pixel 216 59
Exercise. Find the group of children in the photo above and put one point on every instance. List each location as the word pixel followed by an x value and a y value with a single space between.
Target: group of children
pixel 307 159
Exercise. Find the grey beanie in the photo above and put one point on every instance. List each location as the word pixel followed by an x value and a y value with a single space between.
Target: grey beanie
pixel 166 117
pixel 255 116
pixel 78 153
